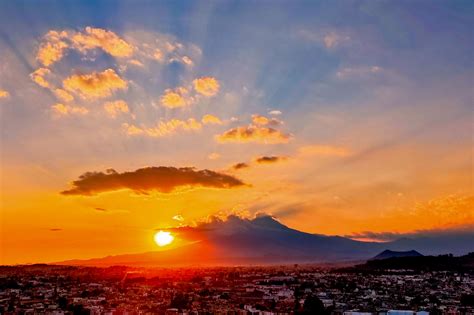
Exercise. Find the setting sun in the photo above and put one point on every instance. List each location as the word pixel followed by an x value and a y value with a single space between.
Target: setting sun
pixel 163 238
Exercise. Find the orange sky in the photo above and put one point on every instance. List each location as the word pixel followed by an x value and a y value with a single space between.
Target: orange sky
pixel 331 134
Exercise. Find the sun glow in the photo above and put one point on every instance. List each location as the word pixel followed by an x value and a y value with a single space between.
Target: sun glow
pixel 163 238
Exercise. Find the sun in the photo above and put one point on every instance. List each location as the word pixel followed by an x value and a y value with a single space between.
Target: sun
pixel 163 238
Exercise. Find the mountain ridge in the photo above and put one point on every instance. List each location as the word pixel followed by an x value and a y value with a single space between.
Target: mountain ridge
pixel 262 240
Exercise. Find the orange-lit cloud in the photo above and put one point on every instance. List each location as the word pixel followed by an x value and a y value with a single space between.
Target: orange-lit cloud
pixel 116 107
pixel 211 119
pixel 56 43
pixel 158 55
pixel 324 150
pixel 38 76
pixel 263 121
pixel 64 110
pixel 136 62
pixel 178 218
pixel 95 84
pixel 332 39
pixel 163 128
pixel 252 133
pixel 4 94
pixel 187 61
pixel 63 95
pixel 207 86
pixel 144 180
pixel 175 98
pixel 52 48
pixel 213 156
pixel 270 159
pixel 93 38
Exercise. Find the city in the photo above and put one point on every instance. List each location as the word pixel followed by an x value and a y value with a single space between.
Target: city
pixel 297 289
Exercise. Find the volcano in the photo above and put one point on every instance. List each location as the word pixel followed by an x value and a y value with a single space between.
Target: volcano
pixel 259 241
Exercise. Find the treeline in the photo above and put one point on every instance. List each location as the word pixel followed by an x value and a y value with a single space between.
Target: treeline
pixel 424 263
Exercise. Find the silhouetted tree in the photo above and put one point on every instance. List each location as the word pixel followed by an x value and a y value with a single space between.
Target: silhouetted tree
pixel 62 302
pixel 180 301
pixel 467 299
pixel 313 305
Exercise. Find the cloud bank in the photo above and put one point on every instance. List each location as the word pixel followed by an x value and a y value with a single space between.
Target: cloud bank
pixel 144 180
pixel 253 133
pixel 95 84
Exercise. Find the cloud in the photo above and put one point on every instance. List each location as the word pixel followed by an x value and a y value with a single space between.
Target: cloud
pixel 240 166
pixel 161 48
pixel 392 236
pixel 4 94
pixel 175 98
pixel 329 39
pixel 164 128
pixel 144 180
pixel 55 230
pixel 64 110
pixel 333 39
pixel 184 96
pixel 38 76
pixel 270 159
pixel 95 84
pixel 213 156
pixel 100 209
pixel 348 72
pixel 275 112
pixel 52 48
pixel 178 218
pixel 63 95
pixel 93 38
pixel 116 107
pixel 55 44
pixel 245 134
pixel 136 62
pixel 324 150
pixel 264 121
pixel 187 61
pixel 207 86
pixel 211 119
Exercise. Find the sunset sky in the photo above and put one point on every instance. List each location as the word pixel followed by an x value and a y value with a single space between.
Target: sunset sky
pixel 336 117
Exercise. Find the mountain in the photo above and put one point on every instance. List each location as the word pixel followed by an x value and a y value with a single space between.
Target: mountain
pixel 386 254
pixel 463 263
pixel 262 240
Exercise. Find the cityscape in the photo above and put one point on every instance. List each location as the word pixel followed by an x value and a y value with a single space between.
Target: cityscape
pixel 297 289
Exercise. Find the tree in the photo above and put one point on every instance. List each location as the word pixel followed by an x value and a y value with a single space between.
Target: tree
pixel 313 305
pixel 467 300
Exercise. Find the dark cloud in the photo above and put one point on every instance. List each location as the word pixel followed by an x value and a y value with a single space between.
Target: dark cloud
pixel 55 230
pixel 100 209
pixel 392 236
pixel 259 134
pixel 240 166
pixel 162 179
pixel 269 159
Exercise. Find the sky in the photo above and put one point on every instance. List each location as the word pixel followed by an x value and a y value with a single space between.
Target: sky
pixel 336 117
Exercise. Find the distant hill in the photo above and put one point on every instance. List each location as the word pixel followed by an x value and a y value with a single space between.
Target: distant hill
pixel 391 254
pixel 418 263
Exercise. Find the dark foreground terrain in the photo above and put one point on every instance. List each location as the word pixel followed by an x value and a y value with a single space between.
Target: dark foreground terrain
pixel 376 287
